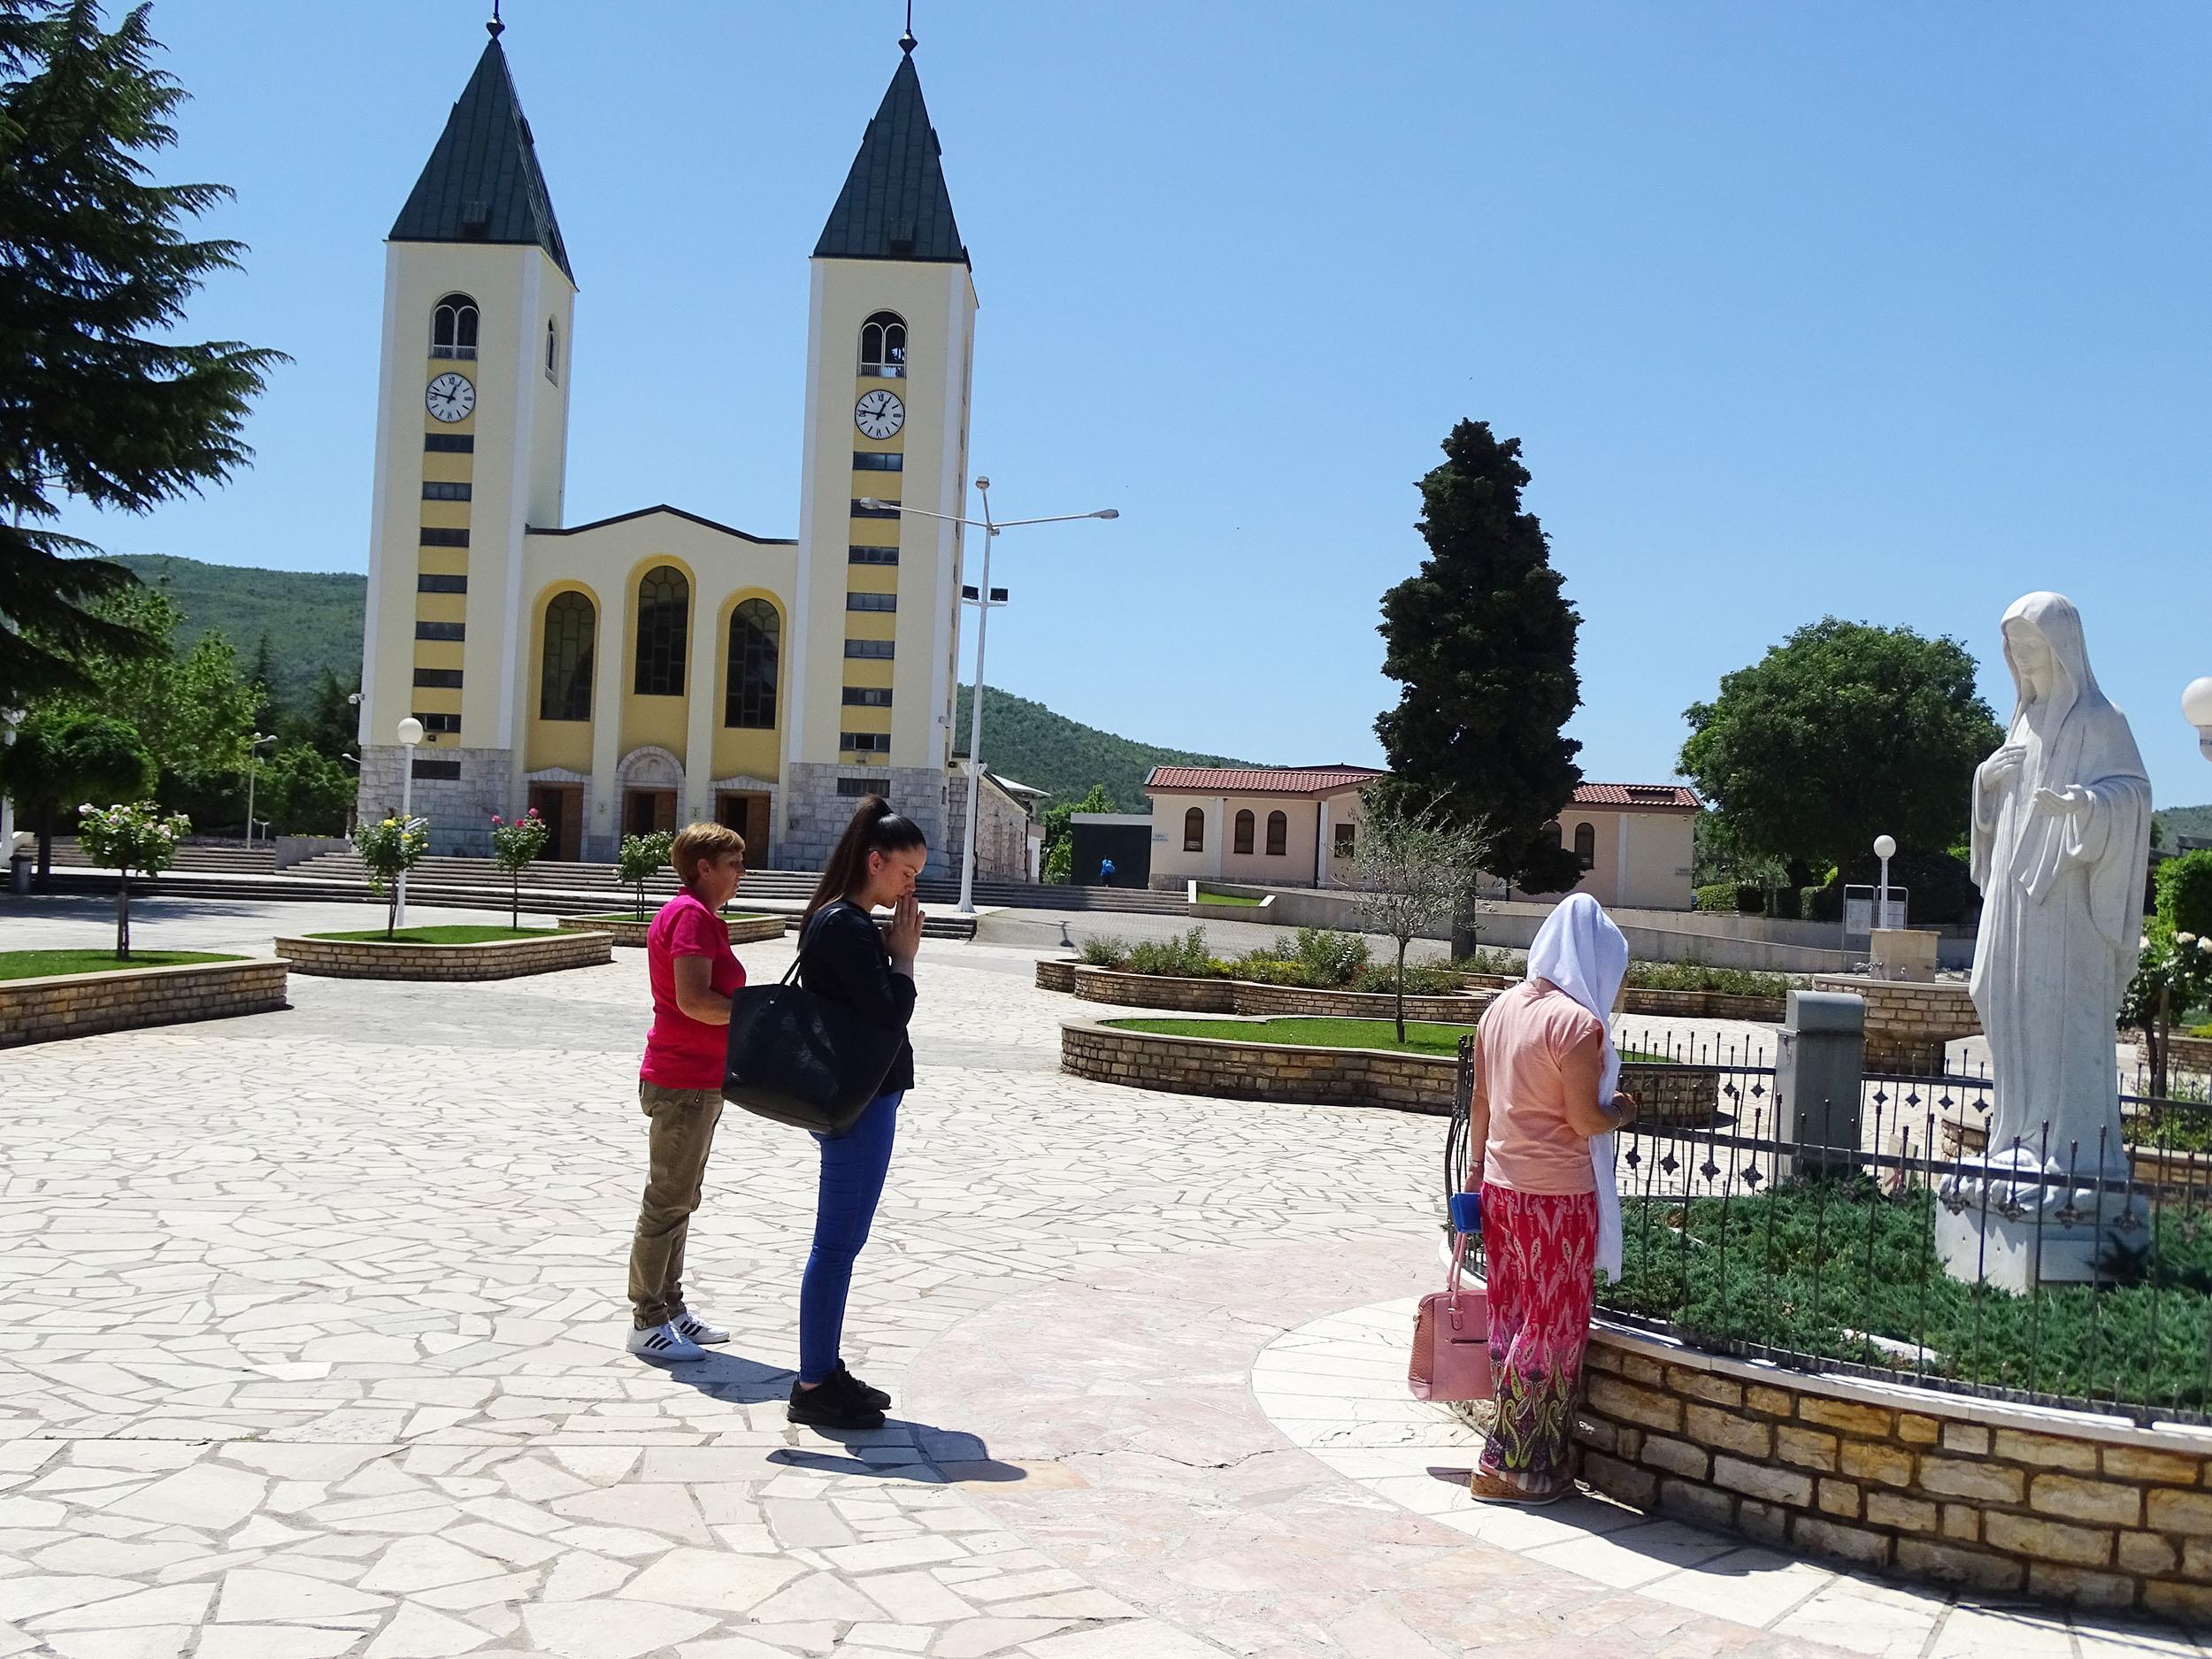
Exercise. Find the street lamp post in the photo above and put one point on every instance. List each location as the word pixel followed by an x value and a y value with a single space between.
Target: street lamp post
pixel 983 602
pixel 9 719
pixel 1885 850
pixel 253 772
pixel 2196 708
pixel 409 735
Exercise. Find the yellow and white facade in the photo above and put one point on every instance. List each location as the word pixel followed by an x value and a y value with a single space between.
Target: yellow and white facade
pixel 641 670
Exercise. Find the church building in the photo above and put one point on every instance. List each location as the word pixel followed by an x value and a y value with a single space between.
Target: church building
pixel 641 670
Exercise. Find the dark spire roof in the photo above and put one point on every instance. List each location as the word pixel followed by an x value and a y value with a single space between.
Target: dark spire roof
pixel 895 204
pixel 482 182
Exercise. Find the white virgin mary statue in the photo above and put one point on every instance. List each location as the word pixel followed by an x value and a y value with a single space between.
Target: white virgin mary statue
pixel 2060 838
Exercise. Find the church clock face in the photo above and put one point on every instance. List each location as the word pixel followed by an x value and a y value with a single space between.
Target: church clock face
pixel 879 414
pixel 450 397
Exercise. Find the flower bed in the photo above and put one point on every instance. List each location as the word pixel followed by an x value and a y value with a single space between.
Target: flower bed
pixel 544 950
pixel 628 932
pixel 1667 1004
pixel 1239 1069
pixel 1123 989
pixel 127 998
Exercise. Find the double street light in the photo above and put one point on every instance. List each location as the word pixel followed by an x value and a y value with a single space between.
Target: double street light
pixel 985 597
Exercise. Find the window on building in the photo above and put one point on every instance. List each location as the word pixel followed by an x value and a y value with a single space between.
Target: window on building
pixel 444 538
pixel 883 346
pixel 1556 834
pixel 453 328
pixel 1193 831
pixel 871 556
pixel 1243 841
pixel 1587 845
pixel 872 602
pixel 444 679
pixel 1278 834
pixel 441 631
pixel 878 461
pixel 1347 840
pixel 886 509
pixel 552 352
pixel 449 443
pixel 867 697
pixel 755 649
pixel 428 583
pixel 571 626
pixel 859 786
pixel 864 743
pixel 878 649
pixel 664 617
pixel 433 490
pixel 442 771
pixel 439 722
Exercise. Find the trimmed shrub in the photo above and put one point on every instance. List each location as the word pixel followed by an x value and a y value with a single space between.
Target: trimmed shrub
pixel 1182 957
pixel 1421 979
pixel 2185 892
pixel 1716 895
pixel 1104 953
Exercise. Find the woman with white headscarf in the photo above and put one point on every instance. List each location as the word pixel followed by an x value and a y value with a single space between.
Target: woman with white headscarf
pixel 1545 1105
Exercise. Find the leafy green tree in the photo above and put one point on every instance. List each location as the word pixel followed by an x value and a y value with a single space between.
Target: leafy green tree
pixel 305 793
pixel 1059 823
pixel 100 399
pixel 330 722
pixel 1484 638
pixel 1843 732
pixel 641 858
pixel 515 847
pixel 1414 869
pixel 60 761
pixel 127 837
pixel 260 679
pixel 389 847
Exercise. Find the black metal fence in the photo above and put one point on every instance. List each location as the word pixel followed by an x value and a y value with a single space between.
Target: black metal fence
pixel 1740 1238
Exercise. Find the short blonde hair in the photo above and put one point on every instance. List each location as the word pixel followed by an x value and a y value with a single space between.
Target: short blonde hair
pixel 701 844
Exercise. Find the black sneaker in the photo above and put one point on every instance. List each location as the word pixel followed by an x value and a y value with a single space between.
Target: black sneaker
pixel 832 1405
pixel 860 1390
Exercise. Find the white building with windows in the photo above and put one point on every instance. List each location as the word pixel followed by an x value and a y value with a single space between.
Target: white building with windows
pixel 653 667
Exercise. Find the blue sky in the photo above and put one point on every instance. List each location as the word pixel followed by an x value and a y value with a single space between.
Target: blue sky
pixel 1895 311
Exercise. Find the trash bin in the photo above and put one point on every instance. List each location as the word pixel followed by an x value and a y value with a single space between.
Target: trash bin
pixel 20 873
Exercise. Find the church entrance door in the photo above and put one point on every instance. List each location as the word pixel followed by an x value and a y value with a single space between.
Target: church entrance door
pixel 748 815
pixel 645 812
pixel 562 807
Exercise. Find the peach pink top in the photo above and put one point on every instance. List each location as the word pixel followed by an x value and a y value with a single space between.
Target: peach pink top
pixel 1533 1148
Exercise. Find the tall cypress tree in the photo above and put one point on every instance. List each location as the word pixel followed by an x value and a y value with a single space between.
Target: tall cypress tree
pixel 1484 640
pixel 98 398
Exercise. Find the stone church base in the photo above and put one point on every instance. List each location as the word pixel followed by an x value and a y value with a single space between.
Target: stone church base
pixel 815 814
pixel 458 810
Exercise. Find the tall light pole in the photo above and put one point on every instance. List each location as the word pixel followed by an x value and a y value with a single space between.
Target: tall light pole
pixel 409 735
pixel 1885 850
pixel 10 718
pixel 983 601
pixel 253 772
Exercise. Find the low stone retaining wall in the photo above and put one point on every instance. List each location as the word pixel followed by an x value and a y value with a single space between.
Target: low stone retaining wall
pixel 1055 973
pixel 2063 1505
pixel 1236 1070
pixel 1657 1004
pixel 84 1004
pixel 1242 996
pixel 1908 1021
pixel 496 959
pixel 2183 1053
pixel 628 933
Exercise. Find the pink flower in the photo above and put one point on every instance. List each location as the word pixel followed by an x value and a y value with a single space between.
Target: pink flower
pixel 494 818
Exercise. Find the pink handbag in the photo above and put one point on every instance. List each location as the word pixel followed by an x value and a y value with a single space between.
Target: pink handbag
pixel 1451 1340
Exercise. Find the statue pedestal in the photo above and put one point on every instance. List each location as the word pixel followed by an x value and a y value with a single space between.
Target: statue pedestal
pixel 2018 1255
pixel 1997 1239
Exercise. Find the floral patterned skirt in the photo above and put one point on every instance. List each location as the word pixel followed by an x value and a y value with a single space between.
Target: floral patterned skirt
pixel 1539 1251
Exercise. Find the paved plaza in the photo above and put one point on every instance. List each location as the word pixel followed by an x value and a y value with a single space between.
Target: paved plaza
pixel 312 1348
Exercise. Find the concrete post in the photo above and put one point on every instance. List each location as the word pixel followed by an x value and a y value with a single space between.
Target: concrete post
pixel 1819 1073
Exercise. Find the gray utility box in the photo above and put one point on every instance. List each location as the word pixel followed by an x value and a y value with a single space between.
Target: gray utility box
pixel 1819 1072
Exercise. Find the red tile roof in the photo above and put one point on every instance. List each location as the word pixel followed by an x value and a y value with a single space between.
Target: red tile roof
pixel 1666 797
pixel 1309 780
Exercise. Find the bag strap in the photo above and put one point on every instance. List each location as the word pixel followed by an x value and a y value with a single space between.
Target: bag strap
pixel 807 932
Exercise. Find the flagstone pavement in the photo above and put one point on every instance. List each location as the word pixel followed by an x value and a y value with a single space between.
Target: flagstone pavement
pixel 310 1347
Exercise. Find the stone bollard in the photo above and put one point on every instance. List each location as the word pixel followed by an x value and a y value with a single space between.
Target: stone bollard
pixel 1819 1072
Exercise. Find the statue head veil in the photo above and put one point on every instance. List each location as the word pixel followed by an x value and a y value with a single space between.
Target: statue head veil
pixel 2054 619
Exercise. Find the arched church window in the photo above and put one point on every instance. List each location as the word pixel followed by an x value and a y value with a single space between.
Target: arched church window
pixel 1243 841
pixel 453 328
pixel 564 685
pixel 1587 845
pixel 883 346
pixel 755 646
pixel 552 352
pixel 1278 834
pixel 1193 831
pixel 663 614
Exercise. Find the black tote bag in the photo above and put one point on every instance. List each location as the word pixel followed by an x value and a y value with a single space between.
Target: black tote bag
pixel 796 1057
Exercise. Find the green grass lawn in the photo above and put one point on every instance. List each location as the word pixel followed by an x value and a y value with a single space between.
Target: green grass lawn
pixel 1421 1036
pixel 1205 898
pixel 457 935
pixel 37 965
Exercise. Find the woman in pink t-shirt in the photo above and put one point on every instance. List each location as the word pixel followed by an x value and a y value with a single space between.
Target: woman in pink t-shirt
pixel 1545 1110
pixel 694 974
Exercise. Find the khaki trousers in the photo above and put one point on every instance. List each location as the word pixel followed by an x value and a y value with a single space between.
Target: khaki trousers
pixel 679 1135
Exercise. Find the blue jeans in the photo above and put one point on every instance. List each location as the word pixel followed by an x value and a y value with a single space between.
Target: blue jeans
pixel 853 1167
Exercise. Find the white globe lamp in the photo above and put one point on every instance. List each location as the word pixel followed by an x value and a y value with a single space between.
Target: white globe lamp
pixel 2196 708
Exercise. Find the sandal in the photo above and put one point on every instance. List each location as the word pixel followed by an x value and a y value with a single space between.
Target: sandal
pixel 1494 1488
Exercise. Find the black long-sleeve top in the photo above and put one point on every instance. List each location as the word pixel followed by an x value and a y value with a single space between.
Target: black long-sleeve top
pixel 842 957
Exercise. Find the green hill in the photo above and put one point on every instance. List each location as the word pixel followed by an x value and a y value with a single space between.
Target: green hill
pixel 2179 820
pixel 312 618
pixel 314 621
pixel 1028 742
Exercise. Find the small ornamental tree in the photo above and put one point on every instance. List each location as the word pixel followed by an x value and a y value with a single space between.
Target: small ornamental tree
pixel 515 847
pixel 390 848
pixel 2173 976
pixel 128 838
pixel 641 859
pixel 1414 869
pixel 2185 892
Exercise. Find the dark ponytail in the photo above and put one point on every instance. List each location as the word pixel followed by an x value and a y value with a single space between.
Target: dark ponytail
pixel 875 828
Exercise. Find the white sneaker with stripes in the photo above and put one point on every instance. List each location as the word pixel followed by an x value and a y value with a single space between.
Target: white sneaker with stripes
pixel 664 1344
pixel 691 1326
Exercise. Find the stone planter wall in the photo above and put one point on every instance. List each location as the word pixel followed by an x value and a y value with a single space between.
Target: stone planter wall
pixel 1922 1485
pixel 83 1004
pixel 2186 1054
pixel 1908 1021
pixel 498 959
pixel 1764 1010
pixel 1241 996
pixel 1332 1076
pixel 630 934
pixel 1055 973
